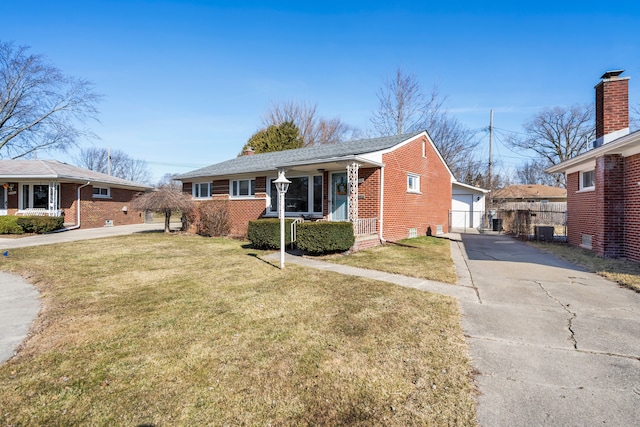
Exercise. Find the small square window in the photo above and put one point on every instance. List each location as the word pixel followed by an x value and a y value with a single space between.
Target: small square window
pixel 413 183
pixel 587 179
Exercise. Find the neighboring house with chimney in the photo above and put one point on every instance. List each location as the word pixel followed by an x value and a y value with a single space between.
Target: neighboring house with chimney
pixel 391 188
pixel 603 184
pixel 85 198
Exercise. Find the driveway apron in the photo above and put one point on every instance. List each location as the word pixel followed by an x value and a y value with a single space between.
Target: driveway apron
pixel 552 344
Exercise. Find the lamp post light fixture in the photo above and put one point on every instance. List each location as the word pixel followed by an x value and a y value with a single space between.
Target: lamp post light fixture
pixel 282 185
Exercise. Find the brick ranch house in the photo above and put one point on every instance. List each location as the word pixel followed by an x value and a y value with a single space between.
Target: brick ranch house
pixel 390 188
pixel 85 198
pixel 603 184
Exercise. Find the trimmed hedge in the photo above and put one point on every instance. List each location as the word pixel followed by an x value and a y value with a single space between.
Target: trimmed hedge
pixel 9 225
pixel 265 233
pixel 40 224
pixel 325 237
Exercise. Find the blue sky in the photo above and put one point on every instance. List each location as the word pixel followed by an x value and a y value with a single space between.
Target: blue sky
pixel 186 82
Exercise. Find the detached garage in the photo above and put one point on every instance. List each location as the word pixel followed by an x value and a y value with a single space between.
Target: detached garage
pixel 467 206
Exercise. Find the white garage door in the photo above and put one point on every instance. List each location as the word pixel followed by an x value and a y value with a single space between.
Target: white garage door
pixel 462 211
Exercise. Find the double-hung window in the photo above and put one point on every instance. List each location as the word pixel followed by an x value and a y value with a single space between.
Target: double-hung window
pixel 201 190
pixel 243 187
pixel 413 183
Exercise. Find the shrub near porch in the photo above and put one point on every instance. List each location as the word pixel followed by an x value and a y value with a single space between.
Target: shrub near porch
pixel 186 330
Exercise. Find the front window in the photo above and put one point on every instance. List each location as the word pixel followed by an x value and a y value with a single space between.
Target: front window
pixel 201 190
pixel 39 196
pixel 301 197
pixel 103 192
pixel 243 187
pixel 587 179
pixel 413 183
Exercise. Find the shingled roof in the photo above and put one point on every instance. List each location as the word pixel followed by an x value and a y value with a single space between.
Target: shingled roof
pixel 530 191
pixel 55 170
pixel 315 154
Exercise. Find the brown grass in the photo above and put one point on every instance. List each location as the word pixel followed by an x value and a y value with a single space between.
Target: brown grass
pixel 175 330
pixel 624 272
pixel 422 257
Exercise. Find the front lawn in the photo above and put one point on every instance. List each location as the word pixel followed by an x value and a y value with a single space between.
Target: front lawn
pixel 182 330
pixel 423 257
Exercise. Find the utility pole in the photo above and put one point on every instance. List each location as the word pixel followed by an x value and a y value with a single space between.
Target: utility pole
pixel 490 150
pixel 108 160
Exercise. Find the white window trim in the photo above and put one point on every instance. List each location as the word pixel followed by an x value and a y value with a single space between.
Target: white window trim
pixel 199 184
pixel 589 188
pixel 243 196
pixel 101 196
pixel 416 188
pixel 271 209
pixel 21 206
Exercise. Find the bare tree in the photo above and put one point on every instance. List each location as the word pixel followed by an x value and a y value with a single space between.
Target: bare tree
pixel 532 172
pixel 167 181
pixel 39 106
pixel 121 165
pixel 313 128
pixel 558 134
pixel 403 107
pixel 163 200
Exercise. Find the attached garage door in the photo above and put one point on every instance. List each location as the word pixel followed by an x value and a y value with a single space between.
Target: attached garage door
pixel 462 211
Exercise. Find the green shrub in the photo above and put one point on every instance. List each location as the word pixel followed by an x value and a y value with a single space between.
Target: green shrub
pixel 9 225
pixel 40 224
pixel 265 233
pixel 325 237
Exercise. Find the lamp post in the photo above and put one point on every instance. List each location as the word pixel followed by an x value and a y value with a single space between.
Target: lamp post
pixel 282 185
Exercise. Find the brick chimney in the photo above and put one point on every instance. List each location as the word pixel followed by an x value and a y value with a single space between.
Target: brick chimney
pixel 612 107
pixel 248 151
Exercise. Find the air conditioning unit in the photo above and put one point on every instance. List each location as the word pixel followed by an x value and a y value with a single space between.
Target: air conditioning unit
pixel 543 233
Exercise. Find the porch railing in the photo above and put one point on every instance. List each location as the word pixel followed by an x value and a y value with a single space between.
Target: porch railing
pixel 364 226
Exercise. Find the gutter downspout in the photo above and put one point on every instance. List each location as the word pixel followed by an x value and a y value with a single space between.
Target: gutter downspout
pixel 78 221
pixel 381 204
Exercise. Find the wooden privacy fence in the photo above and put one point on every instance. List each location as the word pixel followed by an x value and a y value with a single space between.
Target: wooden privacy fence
pixel 521 218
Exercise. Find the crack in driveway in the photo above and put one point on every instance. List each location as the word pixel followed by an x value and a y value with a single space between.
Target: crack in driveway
pixel 565 307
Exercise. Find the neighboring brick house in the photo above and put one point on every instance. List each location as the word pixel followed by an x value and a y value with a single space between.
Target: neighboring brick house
pixel 603 184
pixel 390 188
pixel 85 198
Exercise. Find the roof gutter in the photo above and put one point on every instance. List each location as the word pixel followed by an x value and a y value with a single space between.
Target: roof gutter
pixel 78 221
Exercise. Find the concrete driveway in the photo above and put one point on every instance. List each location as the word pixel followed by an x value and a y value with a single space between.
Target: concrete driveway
pixel 553 345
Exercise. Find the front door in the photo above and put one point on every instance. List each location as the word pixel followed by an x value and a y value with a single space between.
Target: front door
pixel 3 200
pixel 339 197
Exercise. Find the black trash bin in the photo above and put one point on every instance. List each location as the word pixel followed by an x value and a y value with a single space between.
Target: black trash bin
pixel 497 224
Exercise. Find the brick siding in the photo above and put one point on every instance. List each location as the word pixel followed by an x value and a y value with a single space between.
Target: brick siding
pixel 94 211
pixel 403 210
pixel 632 207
